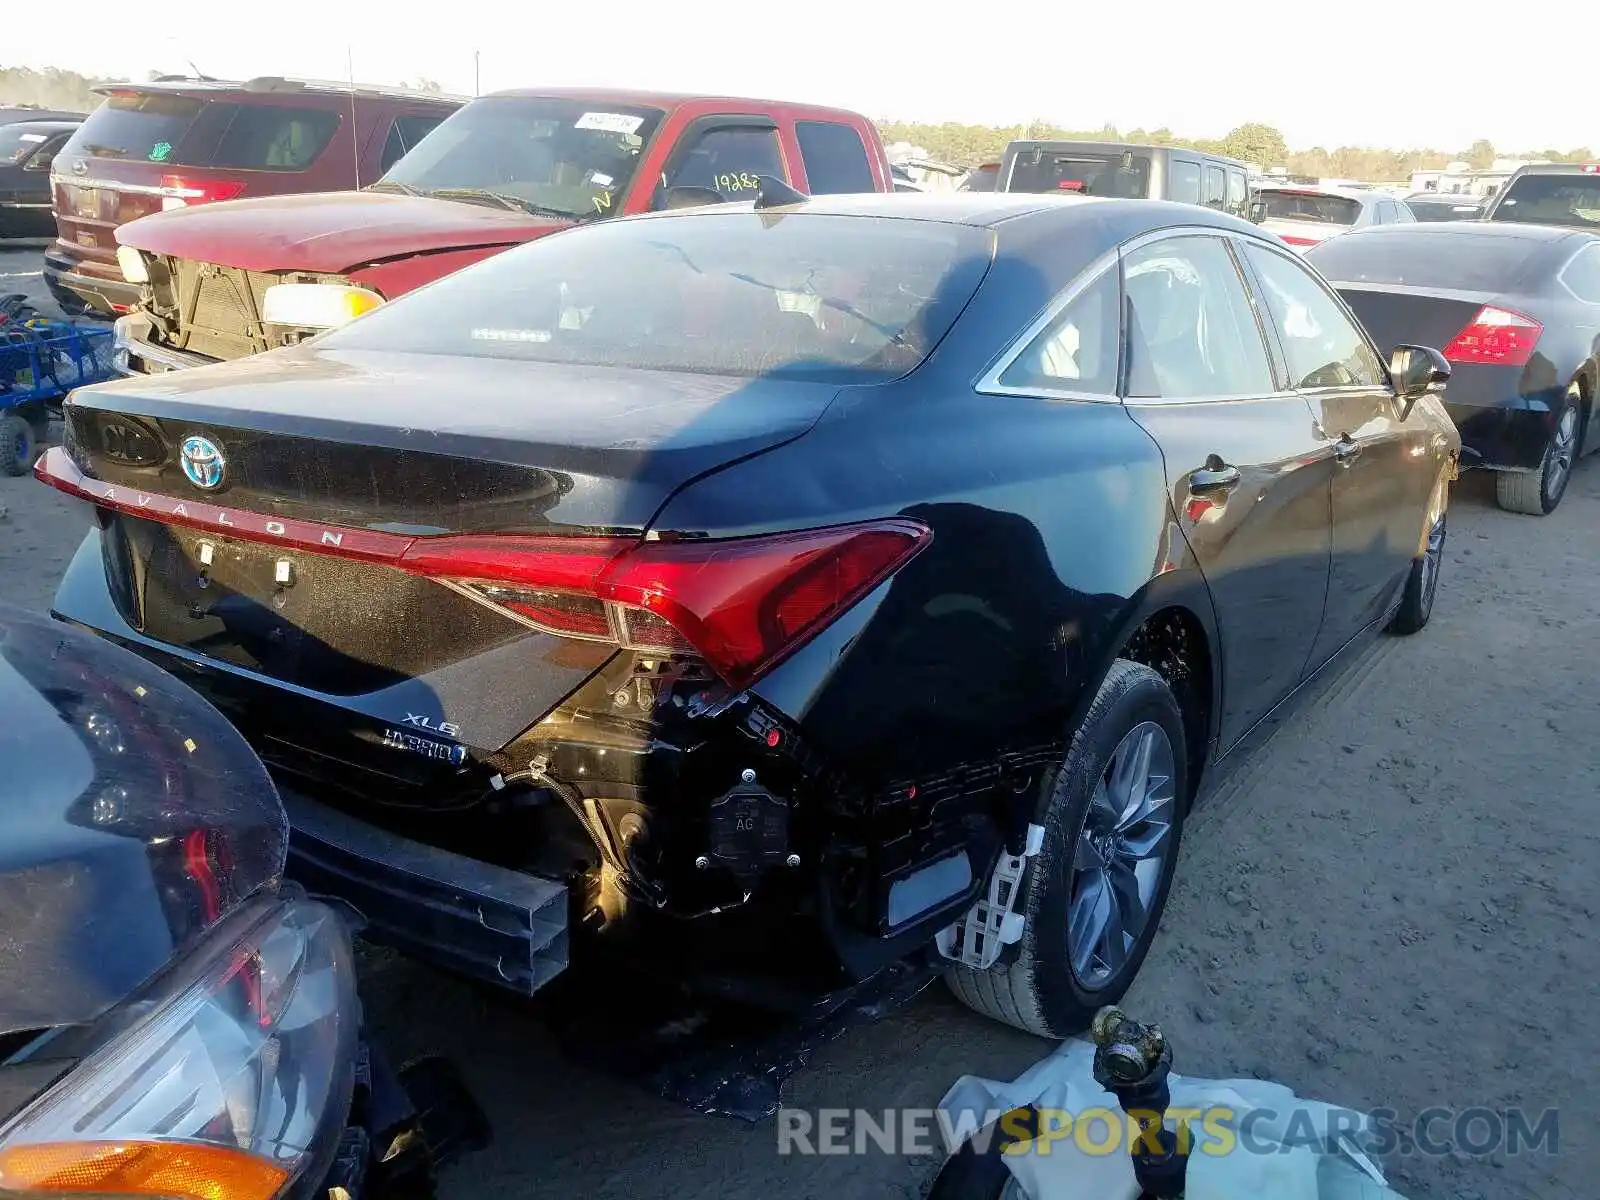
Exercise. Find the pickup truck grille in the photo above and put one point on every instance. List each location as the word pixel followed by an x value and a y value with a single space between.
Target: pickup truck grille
pixel 215 310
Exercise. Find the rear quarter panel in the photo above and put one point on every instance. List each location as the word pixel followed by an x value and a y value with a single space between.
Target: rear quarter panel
pixel 1050 523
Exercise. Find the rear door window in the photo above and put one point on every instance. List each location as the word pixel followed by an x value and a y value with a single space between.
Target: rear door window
pixel 728 160
pixel 1238 193
pixel 1191 332
pixel 835 158
pixel 1215 190
pixel 144 126
pixel 1184 184
pixel 267 138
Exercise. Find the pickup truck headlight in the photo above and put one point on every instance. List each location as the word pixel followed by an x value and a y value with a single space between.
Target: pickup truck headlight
pixel 230 1081
pixel 316 305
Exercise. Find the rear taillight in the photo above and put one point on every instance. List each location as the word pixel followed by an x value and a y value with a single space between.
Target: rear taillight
pixel 1296 240
pixel 742 604
pixel 1497 336
pixel 179 191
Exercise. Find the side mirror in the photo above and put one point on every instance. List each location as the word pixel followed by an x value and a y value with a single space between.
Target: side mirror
pixel 1416 371
pixel 689 197
pixel 1258 211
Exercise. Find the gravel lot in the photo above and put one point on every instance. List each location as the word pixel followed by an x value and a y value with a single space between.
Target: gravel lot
pixel 1390 905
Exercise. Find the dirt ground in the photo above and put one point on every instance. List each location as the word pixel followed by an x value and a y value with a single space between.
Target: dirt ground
pixel 1390 905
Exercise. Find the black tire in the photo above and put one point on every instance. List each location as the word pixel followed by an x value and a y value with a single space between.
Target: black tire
pixel 1040 991
pixel 17 444
pixel 1422 585
pixel 1536 493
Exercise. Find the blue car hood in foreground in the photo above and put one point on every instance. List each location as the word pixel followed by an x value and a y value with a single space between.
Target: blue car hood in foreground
pixel 132 818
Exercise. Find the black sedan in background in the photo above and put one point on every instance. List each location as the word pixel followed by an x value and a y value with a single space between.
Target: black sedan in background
pixel 27 148
pixel 770 595
pixel 1517 310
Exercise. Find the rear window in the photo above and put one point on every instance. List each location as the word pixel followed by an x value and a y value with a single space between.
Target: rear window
pixel 823 298
pixel 835 157
pixel 1085 172
pixel 1310 206
pixel 265 138
pixel 136 125
pixel 1440 258
pixel 1552 200
pixel 1460 209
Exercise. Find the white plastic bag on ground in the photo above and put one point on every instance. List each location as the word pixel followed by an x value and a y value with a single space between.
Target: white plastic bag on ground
pixel 1062 1166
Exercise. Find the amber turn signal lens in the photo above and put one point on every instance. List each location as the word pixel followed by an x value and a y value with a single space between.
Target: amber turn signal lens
pixel 172 1170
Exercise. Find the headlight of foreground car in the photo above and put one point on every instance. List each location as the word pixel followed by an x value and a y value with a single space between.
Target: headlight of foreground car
pixel 132 264
pixel 316 305
pixel 231 1081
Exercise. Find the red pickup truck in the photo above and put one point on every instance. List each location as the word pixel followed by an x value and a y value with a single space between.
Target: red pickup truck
pixel 226 280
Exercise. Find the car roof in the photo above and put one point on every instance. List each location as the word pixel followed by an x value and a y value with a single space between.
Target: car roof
pixel 1558 169
pixel 990 209
pixel 277 85
pixel 1091 143
pixel 1496 229
pixel 643 98
pixel 50 126
pixel 1317 189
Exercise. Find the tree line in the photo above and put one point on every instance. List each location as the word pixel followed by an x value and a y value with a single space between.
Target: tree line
pixel 970 145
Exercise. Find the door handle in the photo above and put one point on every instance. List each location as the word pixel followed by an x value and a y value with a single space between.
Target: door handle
pixel 1346 449
pixel 1215 476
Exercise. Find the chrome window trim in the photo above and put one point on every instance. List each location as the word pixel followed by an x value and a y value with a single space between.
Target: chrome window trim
pixel 1561 275
pixel 989 384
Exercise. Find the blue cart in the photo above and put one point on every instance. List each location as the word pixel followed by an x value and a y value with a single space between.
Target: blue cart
pixel 41 360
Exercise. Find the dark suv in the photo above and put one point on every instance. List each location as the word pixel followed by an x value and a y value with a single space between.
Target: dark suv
pixel 1130 171
pixel 177 142
pixel 1550 194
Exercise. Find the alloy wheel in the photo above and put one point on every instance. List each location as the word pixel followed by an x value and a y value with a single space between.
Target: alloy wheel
pixel 1121 855
pixel 1563 446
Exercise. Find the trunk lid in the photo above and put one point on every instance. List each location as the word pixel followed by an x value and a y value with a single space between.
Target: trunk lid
pixel 328 460
pixel 1395 314
pixel 1302 233
pixel 330 231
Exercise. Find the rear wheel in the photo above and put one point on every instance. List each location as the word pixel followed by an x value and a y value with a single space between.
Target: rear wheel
pixel 1537 493
pixel 17 444
pixel 1094 893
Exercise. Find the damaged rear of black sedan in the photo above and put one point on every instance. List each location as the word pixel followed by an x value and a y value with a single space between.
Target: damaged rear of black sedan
pixel 705 591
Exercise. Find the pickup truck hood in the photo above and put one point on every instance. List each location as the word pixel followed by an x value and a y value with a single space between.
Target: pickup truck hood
pixel 133 818
pixel 328 232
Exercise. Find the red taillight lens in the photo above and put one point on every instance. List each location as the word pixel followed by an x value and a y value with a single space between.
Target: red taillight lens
pixel 742 604
pixel 182 190
pixel 1497 336
pixel 1295 240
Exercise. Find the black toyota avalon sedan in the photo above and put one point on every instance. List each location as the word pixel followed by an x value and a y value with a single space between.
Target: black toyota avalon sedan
pixel 773 594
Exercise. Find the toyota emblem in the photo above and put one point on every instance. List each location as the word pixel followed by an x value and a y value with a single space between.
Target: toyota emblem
pixel 202 462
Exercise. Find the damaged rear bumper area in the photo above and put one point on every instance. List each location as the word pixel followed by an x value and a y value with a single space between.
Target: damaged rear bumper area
pixel 472 917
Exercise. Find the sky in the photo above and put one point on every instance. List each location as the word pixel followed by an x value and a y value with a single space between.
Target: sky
pixel 1326 75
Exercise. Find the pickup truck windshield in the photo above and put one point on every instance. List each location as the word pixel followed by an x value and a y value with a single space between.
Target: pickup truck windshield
pixel 1551 200
pixel 811 297
pixel 1088 173
pixel 571 158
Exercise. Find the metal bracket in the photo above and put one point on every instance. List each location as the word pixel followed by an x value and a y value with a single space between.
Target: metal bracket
pixel 976 939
